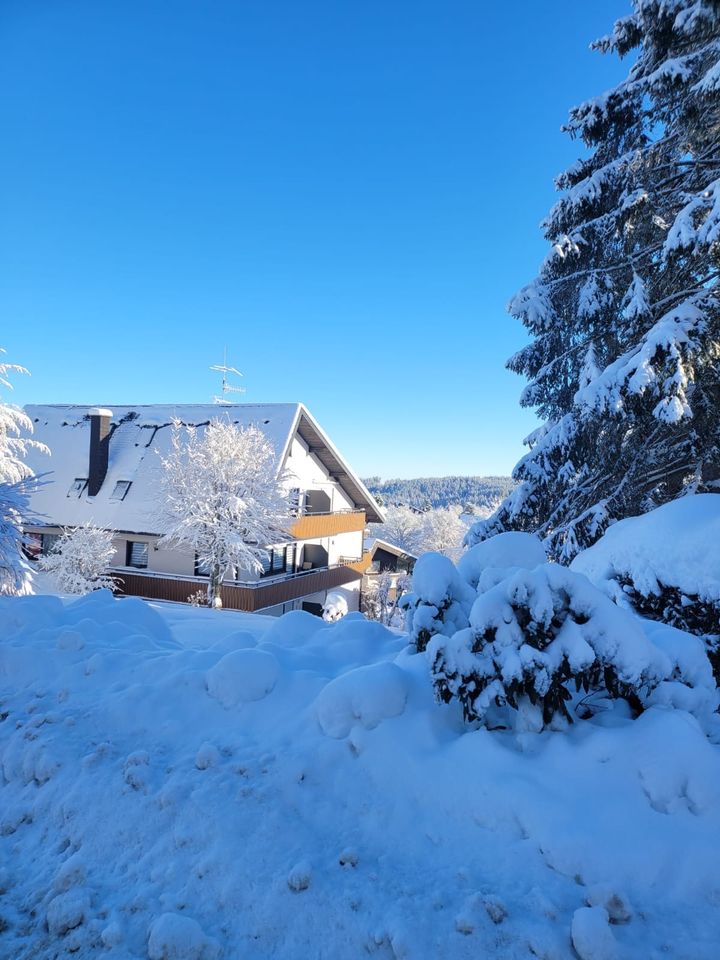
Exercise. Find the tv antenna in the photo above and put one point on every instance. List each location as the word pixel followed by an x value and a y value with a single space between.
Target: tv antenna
pixel 226 387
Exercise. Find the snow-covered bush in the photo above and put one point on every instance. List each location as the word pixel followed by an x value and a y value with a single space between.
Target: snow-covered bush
pixel 440 600
pixel 335 607
pixel 665 566
pixel 540 636
pixel 79 560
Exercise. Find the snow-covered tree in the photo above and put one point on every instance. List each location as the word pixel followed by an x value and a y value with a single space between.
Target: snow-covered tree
pixel 79 560
pixel 439 529
pixel 625 314
pixel 382 595
pixel 16 484
pixel 402 527
pixel 442 531
pixel 223 498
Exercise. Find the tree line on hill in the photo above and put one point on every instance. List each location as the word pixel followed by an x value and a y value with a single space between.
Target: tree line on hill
pixel 477 494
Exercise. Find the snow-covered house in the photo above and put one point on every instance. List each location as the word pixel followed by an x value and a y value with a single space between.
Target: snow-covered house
pixel 387 558
pixel 106 469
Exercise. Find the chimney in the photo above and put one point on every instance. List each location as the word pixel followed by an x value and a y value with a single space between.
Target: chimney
pixel 99 443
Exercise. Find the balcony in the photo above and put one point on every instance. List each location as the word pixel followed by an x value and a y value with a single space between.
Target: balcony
pixel 248 596
pixel 311 525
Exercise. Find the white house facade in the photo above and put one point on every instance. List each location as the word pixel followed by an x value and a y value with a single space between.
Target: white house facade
pixel 105 468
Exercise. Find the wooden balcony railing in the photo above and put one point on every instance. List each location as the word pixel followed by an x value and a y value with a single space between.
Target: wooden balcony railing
pixel 311 525
pixel 235 596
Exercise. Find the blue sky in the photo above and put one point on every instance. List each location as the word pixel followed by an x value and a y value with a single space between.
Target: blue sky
pixel 344 193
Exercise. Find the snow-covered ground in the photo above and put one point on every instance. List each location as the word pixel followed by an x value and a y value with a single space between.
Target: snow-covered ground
pixel 184 784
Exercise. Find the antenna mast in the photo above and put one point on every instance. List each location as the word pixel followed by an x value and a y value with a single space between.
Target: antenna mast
pixel 226 387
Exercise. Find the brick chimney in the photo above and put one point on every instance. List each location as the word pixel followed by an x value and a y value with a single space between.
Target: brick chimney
pixel 99 443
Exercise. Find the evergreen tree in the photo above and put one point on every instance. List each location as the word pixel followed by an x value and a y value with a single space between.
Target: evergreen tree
pixel 624 316
pixel 16 484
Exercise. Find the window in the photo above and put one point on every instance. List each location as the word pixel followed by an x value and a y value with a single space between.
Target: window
pixel 294 501
pixel 121 489
pixel 77 487
pixel 201 569
pixel 279 560
pixel 137 554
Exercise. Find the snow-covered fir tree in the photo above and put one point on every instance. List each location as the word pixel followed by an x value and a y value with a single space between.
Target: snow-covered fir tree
pixel 79 560
pixel 625 314
pixel 16 484
pixel 223 499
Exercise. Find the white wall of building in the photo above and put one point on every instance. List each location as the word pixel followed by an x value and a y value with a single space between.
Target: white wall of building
pixel 305 471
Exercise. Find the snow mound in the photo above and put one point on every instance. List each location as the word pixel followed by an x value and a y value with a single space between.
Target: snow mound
pixel 242 676
pixel 337 817
pixel 591 935
pixel 505 550
pixel 176 937
pixel 365 696
pixel 665 547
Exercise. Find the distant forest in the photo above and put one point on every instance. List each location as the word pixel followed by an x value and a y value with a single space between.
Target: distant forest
pixel 425 492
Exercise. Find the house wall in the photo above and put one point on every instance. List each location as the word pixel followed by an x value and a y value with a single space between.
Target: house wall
pixel 305 471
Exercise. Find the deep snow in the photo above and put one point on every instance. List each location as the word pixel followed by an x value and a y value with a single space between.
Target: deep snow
pixel 184 784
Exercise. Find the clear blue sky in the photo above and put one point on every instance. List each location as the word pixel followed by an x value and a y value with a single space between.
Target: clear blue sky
pixel 344 192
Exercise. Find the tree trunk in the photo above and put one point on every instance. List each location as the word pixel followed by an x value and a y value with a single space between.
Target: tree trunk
pixel 213 591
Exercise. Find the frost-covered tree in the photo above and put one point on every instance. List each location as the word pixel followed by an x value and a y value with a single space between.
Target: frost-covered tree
pixel 382 595
pixel 16 484
pixel 223 498
pixel 402 527
pixel 442 531
pixel 625 314
pixel 79 560
pixel 438 529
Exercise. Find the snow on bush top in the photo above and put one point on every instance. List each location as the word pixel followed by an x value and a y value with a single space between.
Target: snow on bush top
pixel 505 550
pixel 676 545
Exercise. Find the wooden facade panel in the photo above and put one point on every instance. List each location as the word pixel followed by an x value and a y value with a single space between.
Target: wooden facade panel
pixel 327 524
pixel 235 597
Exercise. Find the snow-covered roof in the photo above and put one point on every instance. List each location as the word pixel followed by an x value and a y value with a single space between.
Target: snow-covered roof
pixel 139 436
pixel 371 545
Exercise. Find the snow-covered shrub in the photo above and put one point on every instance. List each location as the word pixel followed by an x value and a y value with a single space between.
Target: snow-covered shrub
pixel 440 601
pixel 506 551
pixel 539 636
pixel 79 560
pixel 198 598
pixel 665 565
pixel 335 607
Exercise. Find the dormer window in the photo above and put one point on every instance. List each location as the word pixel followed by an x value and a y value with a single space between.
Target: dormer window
pixel 121 489
pixel 77 487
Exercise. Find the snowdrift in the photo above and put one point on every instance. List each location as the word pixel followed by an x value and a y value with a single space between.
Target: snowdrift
pixel 182 784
